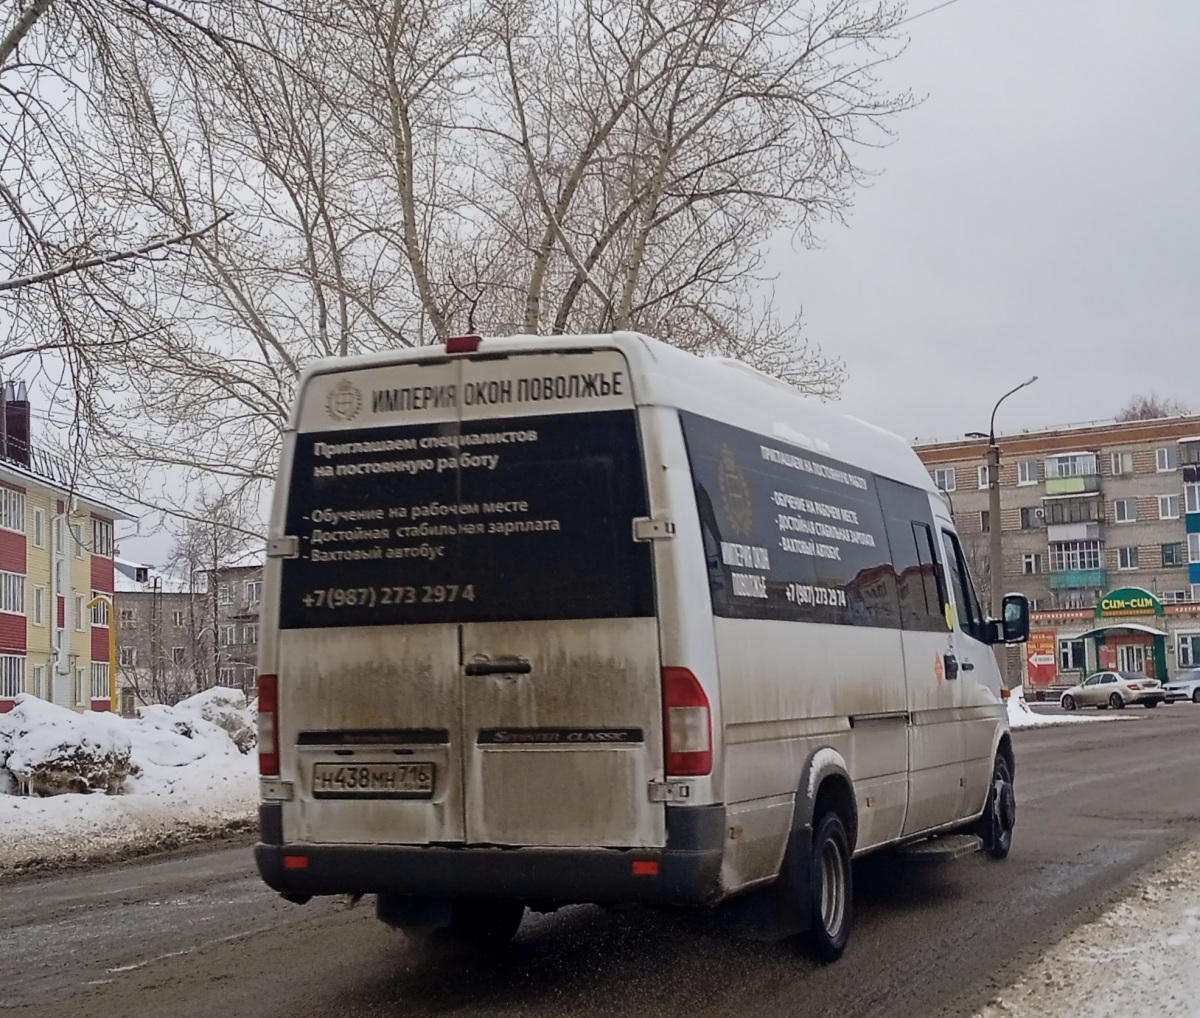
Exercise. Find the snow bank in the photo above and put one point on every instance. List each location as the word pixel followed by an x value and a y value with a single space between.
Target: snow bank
pixel 1021 715
pixel 187 770
pixel 1142 957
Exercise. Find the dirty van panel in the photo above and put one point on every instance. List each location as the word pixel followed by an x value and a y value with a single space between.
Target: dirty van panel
pixel 468 619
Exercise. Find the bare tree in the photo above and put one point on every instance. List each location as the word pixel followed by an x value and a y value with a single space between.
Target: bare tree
pixel 1147 408
pixel 389 172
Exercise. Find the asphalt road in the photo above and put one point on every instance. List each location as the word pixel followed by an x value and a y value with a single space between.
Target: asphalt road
pixel 200 936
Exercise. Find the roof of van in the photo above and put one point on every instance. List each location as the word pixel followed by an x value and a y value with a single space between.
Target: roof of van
pixel 715 387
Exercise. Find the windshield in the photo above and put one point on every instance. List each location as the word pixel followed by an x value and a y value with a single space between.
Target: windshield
pixel 479 521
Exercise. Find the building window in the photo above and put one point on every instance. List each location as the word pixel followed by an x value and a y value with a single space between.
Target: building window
pixel 58 536
pixel 128 657
pixel 99 610
pixel 224 593
pixel 1173 597
pixel 1189 451
pixel 1196 592
pixel 39 682
pixel 1166 459
pixel 39 606
pixel 177 655
pixel 1071 656
pixel 39 528
pixel 1027 472
pixel 127 615
pixel 80 691
pixel 250 635
pixel 1194 548
pixel 12 675
pixel 1191 498
pixel 985 520
pixel 1032 563
pixel 983 476
pixel 1188 651
pixel 1127 558
pixel 101 690
pixel 1125 510
pixel 1168 507
pixel 227 677
pixel 1122 463
pixel 79 613
pixel 1074 465
pixel 177 618
pixel 12 510
pixel 102 537
pixel 1172 554
pixel 226 636
pixel 943 478
pixel 1072 510
pixel 254 591
pixel 77 539
pixel 1034 604
pixel 12 593
pixel 1075 555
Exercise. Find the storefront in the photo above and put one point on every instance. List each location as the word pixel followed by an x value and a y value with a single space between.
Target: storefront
pixel 1129 630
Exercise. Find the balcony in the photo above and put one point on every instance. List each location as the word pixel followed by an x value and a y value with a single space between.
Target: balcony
pixel 1059 532
pixel 1069 579
pixel 1082 485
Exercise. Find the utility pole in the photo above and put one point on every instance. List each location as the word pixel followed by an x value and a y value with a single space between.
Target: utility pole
pixel 996 543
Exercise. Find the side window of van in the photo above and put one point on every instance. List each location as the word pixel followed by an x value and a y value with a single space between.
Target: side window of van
pixel 970 618
pixel 910 535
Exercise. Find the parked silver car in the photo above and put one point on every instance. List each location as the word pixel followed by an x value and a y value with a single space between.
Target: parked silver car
pixel 1114 689
pixel 1185 686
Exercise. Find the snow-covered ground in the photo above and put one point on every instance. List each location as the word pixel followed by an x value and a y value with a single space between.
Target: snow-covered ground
pixel 1021 715
pixel 191 771
pixel 1141 959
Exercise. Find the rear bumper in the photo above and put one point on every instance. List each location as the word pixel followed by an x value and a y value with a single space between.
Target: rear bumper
pixel 688 870
pixel 1140 698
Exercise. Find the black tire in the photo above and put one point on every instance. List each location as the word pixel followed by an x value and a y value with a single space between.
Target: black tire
pixel 1068 702
pixel 1150 703
pixel 1196 695
pixel 832 881
pixel 995 827
pixel 1115 702
pixel 1101 706
pixel 484 922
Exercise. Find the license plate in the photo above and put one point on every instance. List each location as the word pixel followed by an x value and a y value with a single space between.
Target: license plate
pixel 373 781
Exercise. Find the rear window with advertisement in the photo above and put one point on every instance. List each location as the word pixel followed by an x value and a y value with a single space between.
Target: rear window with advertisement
pixel 514 518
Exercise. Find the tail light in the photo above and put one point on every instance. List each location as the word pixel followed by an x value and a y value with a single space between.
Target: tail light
pixel 1134 685
pixel 268 725
pixel 688 723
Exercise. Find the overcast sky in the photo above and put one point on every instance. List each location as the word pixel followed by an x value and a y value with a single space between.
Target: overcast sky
pixel 1038 214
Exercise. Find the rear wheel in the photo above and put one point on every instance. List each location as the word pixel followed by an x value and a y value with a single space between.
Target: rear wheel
pixel 1068 702
pixel 1115 701
pixel 995 827
pixel 1196 695
pixel 832 883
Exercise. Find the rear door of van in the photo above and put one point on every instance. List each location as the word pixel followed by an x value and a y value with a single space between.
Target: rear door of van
pixel 468 649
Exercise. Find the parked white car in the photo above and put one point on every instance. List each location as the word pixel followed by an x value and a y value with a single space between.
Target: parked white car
pixel 1113 689
pixel 1185 686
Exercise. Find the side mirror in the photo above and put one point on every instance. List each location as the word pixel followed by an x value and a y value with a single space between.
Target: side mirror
pixel 1014 624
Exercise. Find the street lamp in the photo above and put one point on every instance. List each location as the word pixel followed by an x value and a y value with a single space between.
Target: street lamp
pixel 995 552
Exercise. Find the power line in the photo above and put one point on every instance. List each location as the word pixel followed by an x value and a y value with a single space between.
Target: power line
pixel 921 14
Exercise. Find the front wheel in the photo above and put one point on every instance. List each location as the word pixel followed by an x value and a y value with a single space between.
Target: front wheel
pixel 1068 702
pixel 995 827
pixel 1150 703
pixel 832 883
pixel 1196 696
pixel 1115 701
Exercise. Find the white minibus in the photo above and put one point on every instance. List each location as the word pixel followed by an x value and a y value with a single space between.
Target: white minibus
pixel 592 619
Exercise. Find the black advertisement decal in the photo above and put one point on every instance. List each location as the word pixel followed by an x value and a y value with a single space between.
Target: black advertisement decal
pixel 789 534
pixel 484 521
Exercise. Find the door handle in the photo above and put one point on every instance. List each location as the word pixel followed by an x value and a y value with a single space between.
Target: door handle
pixel 951 663
pixel 501 666
pixel 967 666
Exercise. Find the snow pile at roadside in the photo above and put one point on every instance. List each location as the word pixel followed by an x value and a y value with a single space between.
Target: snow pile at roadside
pixel 1021 715
pixel 48 750
pixel 1141 958
pixel 186 776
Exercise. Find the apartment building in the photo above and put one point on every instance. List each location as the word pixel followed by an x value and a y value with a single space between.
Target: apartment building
pixel 56 573
pixel 178 635
pixel 1101 530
